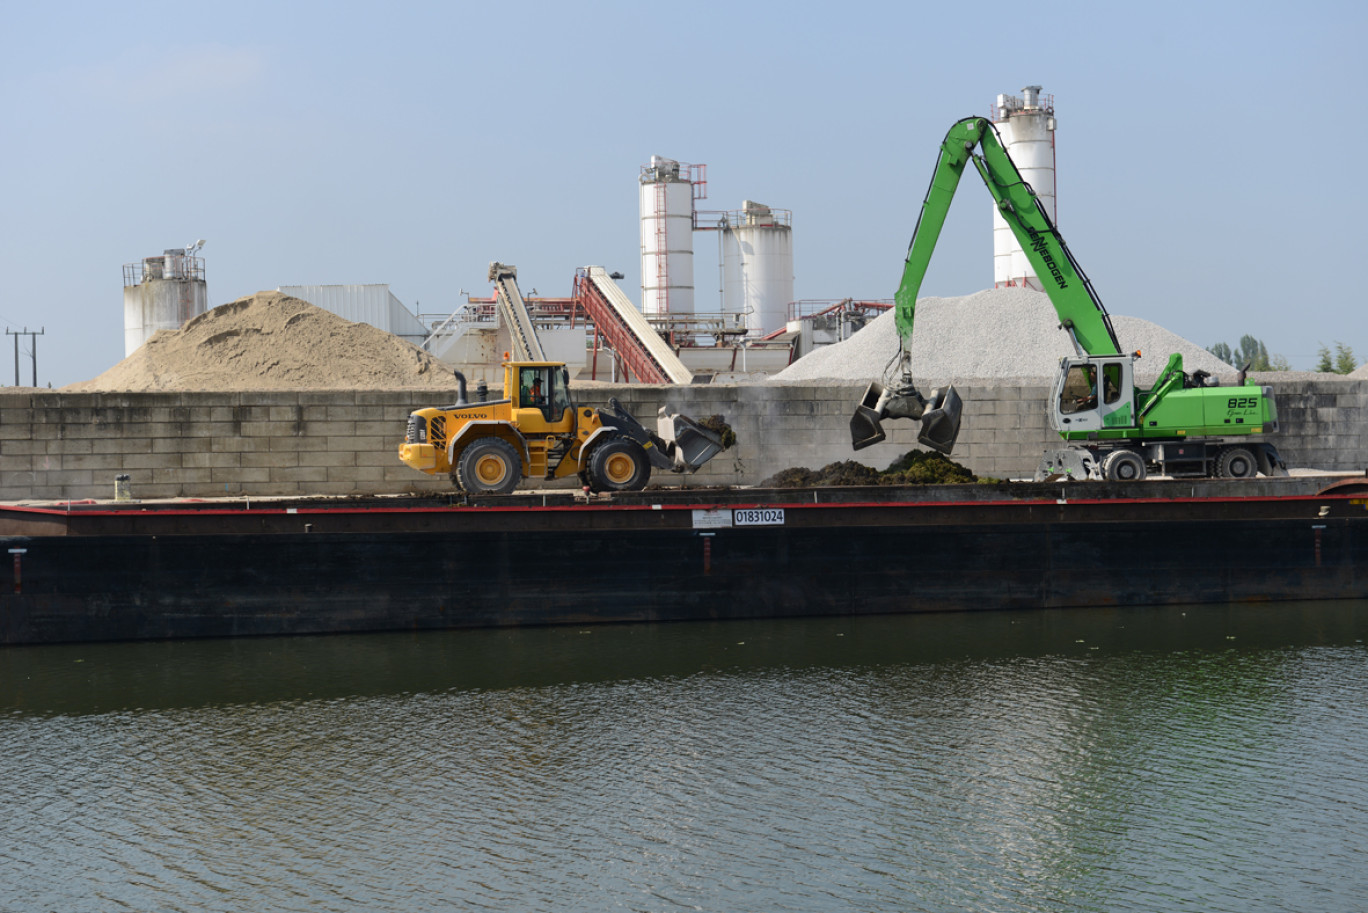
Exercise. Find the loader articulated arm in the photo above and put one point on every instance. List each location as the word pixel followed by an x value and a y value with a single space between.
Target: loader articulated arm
pixel 974 139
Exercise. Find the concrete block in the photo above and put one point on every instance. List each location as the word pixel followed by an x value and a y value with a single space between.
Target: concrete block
pixel 151 461
pixel 292 443
pixel 271 459
pixel 121 444
pixel 290 413
pixel 241 478
pixel 264 429
pixel 202 430
pixel 327 458
pixel 301 474
pixel 180 475
pixel 211 460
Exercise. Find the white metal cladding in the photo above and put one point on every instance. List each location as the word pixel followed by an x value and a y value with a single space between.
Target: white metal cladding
pixel 667 279
pixel 160 304
pixel 373 304
pixel 757 271
pixel 1027 130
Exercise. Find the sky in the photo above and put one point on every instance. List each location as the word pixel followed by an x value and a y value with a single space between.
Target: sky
pixel 1207 151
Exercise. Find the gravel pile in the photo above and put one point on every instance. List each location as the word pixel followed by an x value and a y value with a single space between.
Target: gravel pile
pixel 998 334
pixel 1361 372
pixel 271 341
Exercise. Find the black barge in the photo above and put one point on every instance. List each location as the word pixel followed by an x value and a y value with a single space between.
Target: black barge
pixel 104 571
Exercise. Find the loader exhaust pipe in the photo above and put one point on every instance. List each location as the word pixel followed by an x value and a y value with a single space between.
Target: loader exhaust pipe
pixel 939 414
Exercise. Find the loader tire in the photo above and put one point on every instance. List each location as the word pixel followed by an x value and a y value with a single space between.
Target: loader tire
pixel 489 466
pixel 619 464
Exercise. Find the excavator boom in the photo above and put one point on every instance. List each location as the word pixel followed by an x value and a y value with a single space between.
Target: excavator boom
pixel 974 139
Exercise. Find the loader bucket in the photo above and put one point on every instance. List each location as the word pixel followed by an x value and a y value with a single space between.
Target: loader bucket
pixel 694 445
pixel 865 430
pixel 941 421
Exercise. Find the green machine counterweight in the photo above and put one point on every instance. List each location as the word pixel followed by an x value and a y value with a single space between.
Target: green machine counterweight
pixel 1184 424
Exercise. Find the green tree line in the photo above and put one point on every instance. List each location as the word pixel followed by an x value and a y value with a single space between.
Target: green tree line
pixel 1253 352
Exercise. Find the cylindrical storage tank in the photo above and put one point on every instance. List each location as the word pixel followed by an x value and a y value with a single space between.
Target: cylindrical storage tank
pixel 168 292
pixel 757 266
pixel 1027 128
pixel 667 195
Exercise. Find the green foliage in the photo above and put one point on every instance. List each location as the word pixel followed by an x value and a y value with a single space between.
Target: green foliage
pixel 1250 352
pixel 1343 361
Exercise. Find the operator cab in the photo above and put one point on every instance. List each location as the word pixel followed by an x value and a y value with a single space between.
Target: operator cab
pixel 544 387
pixel 1094 393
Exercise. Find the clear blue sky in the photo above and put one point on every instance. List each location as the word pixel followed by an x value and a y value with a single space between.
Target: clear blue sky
pixel 1208 152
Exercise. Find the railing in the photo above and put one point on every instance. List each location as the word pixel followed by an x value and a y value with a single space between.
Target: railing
pixel 167 266
pixel 814 307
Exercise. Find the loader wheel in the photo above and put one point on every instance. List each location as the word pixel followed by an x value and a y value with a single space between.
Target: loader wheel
pixel 1123 466
pixel 489 466
pixel 619 465
pixel 1236 463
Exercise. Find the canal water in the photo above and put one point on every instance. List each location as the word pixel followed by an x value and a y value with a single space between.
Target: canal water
pixel 1203 758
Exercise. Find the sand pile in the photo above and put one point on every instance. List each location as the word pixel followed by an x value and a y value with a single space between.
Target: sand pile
pixel 271 341
pixel 998 334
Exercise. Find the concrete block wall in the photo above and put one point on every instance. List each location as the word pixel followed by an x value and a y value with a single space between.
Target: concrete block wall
pixel 71 446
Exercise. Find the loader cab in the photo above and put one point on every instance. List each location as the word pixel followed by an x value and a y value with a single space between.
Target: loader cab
pixel 1094 393
pixel 543 397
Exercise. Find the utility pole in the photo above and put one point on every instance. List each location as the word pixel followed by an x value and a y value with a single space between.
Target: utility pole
pixel 34 352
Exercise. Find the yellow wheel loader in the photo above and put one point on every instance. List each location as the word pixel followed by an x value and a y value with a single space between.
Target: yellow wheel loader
pixel 536 432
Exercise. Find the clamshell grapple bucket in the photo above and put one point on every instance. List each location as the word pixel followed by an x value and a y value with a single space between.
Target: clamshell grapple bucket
pixel 939 414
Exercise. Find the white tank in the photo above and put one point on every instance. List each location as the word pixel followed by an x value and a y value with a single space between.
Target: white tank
pixel 757 266
pixel 667 198
pixel 1027 128
pixel 162 293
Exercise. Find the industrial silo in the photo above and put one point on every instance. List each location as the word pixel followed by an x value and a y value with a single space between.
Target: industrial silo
pixel 757 266
pixel 163 293
pixel 667 205
pixel 1027 128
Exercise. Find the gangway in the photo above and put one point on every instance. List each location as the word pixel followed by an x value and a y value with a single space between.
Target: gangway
pixel 640 350
pixel 513 311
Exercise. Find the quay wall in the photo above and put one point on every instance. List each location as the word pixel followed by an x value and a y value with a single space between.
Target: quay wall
pixel 56 445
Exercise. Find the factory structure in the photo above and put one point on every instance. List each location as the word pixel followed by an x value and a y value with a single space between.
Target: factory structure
pixel 164 292
pixel 1026 125
pixel 757 326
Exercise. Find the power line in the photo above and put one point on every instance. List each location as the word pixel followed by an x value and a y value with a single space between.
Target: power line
pixel 33 334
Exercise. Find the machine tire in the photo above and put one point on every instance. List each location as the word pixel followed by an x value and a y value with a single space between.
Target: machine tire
pixel 1123 466
pixel 489 465
pixel 619 464
pixel 1236 463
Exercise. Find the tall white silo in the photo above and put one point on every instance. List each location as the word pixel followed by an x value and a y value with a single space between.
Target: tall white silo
pixel 757 266
pixel 163 293
pixel 1027 128
pixel 667 206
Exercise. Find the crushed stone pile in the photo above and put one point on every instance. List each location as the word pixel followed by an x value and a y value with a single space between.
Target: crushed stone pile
pixel 1361 372
pixel 997 334
pixel 271 341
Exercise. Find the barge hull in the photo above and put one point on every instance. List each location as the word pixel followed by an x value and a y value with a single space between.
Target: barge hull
pixel 196 572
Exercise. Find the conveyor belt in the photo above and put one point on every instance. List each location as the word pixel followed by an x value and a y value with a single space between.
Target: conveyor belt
pixel 513 312
pixel 640 349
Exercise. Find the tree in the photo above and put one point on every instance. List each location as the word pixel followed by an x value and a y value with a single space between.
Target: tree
pixel 1343 361
pixel 1251 352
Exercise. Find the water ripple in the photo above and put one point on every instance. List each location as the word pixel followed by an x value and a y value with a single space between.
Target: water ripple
pixel 975 763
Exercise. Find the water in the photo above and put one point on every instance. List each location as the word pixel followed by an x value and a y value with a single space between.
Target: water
pixel 1204 759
